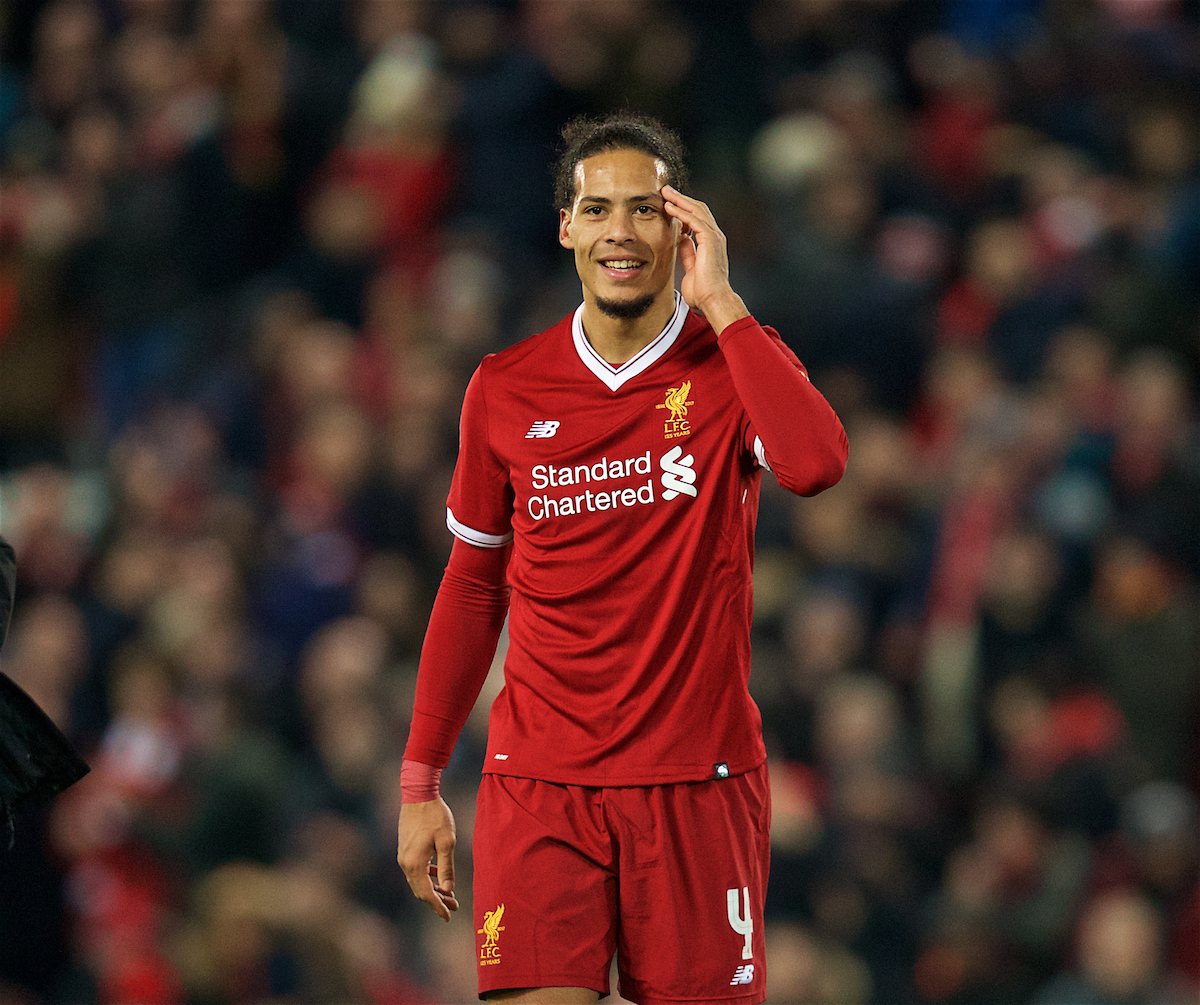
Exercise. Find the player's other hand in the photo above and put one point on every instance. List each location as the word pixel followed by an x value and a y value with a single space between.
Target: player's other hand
pixel 704 255
pixel 427 829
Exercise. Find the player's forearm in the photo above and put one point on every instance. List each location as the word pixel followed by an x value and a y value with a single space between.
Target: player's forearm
pixel 460 642
pixel 802 436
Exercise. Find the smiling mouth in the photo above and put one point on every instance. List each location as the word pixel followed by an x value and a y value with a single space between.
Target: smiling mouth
pixel 622 266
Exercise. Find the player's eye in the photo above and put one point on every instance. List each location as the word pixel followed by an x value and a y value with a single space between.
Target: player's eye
pixel 645 210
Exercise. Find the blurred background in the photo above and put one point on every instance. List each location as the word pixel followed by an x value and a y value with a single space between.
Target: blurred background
pixel 250 253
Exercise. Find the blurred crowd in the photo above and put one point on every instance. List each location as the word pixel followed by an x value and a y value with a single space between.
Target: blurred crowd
pixel 251 252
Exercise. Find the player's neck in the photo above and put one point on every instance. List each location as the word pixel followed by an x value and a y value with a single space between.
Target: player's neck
pixel 619 339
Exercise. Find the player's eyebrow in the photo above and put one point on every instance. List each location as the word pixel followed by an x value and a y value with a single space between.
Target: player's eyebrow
pixel 600 200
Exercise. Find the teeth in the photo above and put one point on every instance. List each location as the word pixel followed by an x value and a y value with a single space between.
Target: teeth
pixel 622 265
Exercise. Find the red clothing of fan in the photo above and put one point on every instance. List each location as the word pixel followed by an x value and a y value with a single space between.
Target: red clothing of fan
pixel 630 495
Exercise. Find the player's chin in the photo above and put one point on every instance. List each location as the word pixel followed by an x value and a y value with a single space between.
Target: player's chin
pixel 622 291
pixel 625 306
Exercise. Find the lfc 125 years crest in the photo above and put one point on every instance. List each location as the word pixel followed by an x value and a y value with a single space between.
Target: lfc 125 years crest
pixel 676 424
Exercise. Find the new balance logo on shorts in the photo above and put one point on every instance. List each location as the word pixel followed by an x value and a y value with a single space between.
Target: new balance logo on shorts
pixel 543 429
pixel 744 974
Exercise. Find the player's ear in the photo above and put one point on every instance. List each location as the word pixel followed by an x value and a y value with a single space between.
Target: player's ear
pixel 564 221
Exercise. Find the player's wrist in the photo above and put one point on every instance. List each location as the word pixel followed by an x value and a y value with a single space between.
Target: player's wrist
pixel 419 782
pixel 723 308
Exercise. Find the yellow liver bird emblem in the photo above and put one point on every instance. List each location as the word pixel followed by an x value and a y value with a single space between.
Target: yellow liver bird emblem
pixel 677 400
pixel 491 926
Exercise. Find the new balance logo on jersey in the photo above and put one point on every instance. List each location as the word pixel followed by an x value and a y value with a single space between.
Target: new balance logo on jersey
pixel 744 974
pixel 679 477
pixel 543 429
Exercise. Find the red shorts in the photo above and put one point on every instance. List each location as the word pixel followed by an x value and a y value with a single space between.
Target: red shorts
pixel 671 877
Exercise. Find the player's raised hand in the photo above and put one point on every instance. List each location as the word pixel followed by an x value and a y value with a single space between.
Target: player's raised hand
pixel 425 829
pixel 705 258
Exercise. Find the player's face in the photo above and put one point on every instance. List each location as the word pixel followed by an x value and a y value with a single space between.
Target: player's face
pixel 623 240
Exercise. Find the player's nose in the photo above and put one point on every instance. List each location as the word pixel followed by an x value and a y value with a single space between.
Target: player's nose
pixel 620 227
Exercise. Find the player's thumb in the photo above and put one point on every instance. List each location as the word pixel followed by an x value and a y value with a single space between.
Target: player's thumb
pixel 687 253
pixel 445 864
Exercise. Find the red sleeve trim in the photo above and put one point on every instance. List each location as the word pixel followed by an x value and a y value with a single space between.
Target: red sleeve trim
pixel 419 782
pixel 478 538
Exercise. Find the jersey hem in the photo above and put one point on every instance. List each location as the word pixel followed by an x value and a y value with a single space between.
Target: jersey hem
pixel 687 775
pixel 640 999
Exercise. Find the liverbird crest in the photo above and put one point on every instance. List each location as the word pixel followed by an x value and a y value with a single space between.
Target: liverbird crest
pixel 491 926
pixel 677 400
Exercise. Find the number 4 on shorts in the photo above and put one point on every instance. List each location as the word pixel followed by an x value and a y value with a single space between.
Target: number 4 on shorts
pixel 741 925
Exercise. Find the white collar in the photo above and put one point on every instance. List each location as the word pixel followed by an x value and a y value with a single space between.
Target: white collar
pixel 614 376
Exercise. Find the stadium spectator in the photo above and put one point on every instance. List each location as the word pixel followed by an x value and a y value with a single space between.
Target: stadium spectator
pixel 250 254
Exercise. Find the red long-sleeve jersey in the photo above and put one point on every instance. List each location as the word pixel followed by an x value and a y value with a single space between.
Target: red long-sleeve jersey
pixel 629 495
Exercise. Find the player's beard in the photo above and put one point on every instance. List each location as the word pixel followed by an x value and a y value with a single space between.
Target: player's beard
pixel 626 310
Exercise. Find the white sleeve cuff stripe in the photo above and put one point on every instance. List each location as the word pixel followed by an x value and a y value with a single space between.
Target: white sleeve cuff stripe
pixel 473 536
pixel 760 454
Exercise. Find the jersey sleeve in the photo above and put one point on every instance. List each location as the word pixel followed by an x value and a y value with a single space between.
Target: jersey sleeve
pixel 752 442
pixel 460 642
pixel 480 506
pixel 787 425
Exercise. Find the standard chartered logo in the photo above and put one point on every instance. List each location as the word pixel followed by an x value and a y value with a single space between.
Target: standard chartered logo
pixel 591 489
pixel 679 477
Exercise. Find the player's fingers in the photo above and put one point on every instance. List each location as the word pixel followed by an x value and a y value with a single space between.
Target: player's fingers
pixel 423 889
pixel 674 198
pixel 685 213
pixel 440 908
pixel 673 195
pixel 703 227
pixel 448 899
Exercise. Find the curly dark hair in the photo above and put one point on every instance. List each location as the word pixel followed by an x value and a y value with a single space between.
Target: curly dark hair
pixel 584 136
